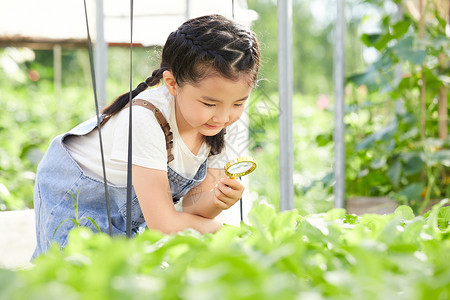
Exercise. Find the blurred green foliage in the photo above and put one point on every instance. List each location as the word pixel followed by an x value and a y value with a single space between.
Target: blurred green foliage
pixel 30 117
pixel 34 112
pixel 393 145
pixel 312 163
pixel 386 155
pixel 312 47
pixel 286 255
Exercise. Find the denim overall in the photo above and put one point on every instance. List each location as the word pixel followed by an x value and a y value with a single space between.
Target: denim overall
pixel 59 176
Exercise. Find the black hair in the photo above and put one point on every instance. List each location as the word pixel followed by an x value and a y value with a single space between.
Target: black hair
pixel 201 47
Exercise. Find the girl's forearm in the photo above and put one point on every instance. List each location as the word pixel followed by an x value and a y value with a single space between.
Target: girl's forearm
pixel 182 220
pixel 201 204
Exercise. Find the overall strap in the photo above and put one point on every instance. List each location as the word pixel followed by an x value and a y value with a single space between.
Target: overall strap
pixel 162 122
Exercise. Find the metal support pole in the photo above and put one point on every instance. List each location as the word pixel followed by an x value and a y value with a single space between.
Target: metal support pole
pixel 57 78
pixel 101 55
pixel 339 76
pixel 187 12
pixel 285 87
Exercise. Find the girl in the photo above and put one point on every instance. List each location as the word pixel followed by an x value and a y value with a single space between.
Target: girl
pixel 182 132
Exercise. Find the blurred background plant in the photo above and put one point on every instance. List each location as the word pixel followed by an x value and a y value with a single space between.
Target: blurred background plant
pixel 397 142
pixel 397 139
pixel 397 119
pixel 34 111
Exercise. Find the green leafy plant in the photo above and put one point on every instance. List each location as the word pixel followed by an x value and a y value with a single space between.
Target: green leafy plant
pixel 396 142
pixel 76 221
pixel 286 255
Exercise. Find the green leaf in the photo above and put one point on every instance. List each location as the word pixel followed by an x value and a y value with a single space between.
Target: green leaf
pixel 335 214
pixel 366 143
pixel 381 43
pixel 394 172
pixel 385 134
pixel 93 222
pixel 323 139
pixel 75 203
pixel 362 78
pixel 405 51
pixel 444 213
pixel 440 42
pixel 412 163
pixel 433 217
pixel 351 219
pixel 10 283
pixel 62 222
pixel 378 163
pixel 412 191
pixel 262 214
pixel 444 217
pixel 400 28
pixel 439 157
pixel 416 57
pixel 405 212
pixel 370 39
pixel 403 45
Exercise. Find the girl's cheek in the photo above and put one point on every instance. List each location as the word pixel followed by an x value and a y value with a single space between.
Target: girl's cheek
pixel 236 117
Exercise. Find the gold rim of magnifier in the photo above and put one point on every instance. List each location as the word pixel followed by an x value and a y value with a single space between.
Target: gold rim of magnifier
pixel 239 160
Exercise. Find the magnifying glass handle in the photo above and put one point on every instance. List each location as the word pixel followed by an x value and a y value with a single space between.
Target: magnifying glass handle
pixel 241 208
pixel 240 202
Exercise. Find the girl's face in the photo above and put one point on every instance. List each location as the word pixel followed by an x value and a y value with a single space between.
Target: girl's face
pixel 210 105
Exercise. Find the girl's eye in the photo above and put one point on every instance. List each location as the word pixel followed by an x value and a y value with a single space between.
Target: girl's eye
pixel 208 105
pixel 239 104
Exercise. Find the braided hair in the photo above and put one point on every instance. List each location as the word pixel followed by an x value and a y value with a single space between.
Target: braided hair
pixel 199 48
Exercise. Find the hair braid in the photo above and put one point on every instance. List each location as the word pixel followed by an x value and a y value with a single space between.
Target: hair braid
pixel 123 99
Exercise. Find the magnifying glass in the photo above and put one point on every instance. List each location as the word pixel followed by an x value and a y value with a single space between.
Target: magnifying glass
pixel 240 166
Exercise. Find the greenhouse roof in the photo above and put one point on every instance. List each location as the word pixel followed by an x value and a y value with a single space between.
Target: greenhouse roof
pixel 43 23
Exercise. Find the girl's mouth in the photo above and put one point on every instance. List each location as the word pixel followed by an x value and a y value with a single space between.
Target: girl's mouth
pixel 212 126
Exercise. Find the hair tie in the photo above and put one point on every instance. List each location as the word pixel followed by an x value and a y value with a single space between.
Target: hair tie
pixel 146 84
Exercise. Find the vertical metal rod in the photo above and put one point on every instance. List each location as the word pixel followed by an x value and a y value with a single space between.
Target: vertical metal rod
pixel 241 205
pixel 188 10
pixel 232 9
pixel 339 76
pixel 101 55
pixel 130 132
pixel 285 90
pixel 99 124
pixel 57 78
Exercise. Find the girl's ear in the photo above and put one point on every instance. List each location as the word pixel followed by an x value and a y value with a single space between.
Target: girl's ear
pixel 170 82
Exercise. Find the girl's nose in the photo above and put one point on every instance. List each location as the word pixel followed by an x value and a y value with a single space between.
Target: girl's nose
pixel 222 116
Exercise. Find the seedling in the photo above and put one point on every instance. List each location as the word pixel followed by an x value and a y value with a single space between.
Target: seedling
pixel 76 221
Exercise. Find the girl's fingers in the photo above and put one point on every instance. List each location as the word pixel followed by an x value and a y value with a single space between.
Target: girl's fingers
pixel 232 183
pixel 220 204
pixel 226 195
pixel 228 191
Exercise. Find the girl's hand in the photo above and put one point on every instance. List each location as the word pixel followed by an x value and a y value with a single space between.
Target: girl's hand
pixel 227 192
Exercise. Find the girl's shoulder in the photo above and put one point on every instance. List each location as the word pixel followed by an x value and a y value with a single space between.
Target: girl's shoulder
pixel 159 97
pixel 144 121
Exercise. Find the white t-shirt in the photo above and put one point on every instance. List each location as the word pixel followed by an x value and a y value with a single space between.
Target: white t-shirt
pixel 149 146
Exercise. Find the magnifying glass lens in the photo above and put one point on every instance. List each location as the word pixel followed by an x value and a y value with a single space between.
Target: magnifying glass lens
pixel 239 167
